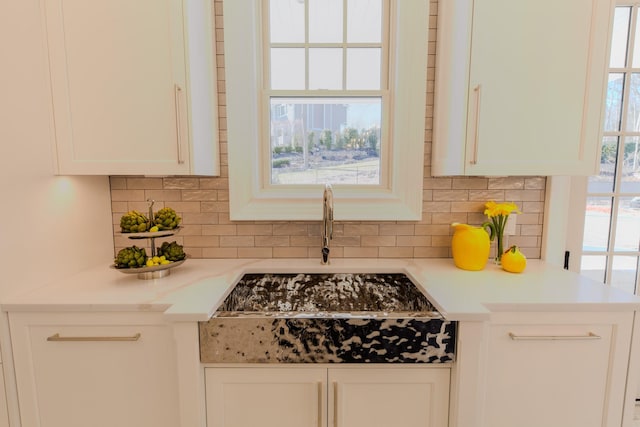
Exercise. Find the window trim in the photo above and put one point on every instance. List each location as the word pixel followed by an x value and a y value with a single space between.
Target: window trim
pixel 249 199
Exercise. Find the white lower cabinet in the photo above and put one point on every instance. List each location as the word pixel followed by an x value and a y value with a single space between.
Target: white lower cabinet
pixel 94 369
pixel 389 397
pixel 564 370
pixel 302 396
pixel 239 397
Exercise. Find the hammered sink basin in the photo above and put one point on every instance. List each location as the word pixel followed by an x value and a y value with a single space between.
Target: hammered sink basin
pixel 331 295
pixel 326 318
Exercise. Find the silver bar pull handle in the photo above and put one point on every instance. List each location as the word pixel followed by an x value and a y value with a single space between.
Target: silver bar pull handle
pixel 176 92
pixel 57 337
pixel 589 336
pixel 476 134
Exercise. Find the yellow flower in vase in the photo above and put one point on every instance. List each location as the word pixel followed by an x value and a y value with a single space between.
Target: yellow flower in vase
pixel 498 213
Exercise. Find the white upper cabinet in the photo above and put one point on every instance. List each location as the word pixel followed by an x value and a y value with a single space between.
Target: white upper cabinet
pixel 133 86
pixel 520 86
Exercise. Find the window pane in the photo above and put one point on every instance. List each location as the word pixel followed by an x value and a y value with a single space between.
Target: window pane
pixel 628 225
pixel 603 183
pixel 286 21
pixel 363 69
pixel 636 47
pixel 623 273
pixel 620 37
pixel 593 267
pixel 631 166
pixel 287 68
pixel 633 109
pixel 320 140
pixel 596 224
pixel 613 102
pixel 325 68
pixel 364 21
pixel 325 21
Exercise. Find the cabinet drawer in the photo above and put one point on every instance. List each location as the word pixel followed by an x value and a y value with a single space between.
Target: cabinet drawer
pixel 71 367
pixel 563 371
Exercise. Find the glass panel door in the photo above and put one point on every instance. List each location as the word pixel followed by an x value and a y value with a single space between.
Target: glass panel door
pixel 611 239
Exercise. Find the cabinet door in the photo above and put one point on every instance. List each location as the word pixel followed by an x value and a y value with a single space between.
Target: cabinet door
pixel 383 397
pixel 97 374
pixel 532 101
pixel 118 85
pixel 534 106
pixel 555 375
pixel 4 412
pixel 268 397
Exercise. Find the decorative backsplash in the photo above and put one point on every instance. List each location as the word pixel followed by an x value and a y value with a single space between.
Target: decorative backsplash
pixel 203 203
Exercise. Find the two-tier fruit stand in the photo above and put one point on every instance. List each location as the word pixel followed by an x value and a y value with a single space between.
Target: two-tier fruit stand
pixel 156 271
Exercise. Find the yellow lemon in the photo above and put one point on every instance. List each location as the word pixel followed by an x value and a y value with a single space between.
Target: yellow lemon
pixel 513 260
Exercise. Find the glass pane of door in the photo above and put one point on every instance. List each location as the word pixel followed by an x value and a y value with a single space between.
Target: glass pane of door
pixel 597 223
pixel 633 104
pixel 603 182
pixel 631 165
pixel 613 111
pixel 627 226
pixel 594 266
pixel 623 272
pixel 620 36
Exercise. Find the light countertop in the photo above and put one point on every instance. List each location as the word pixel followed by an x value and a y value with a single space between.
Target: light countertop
pixel 193 291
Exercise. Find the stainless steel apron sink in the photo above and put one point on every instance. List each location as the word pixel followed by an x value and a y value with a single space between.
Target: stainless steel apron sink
pixel 327 318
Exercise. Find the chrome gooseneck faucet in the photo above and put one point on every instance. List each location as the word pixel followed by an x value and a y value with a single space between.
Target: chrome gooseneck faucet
pixel 327 222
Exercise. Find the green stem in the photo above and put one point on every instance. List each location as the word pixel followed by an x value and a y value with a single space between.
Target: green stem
pixel 499 223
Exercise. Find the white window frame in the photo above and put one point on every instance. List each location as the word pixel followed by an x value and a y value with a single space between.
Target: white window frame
pixel 251 199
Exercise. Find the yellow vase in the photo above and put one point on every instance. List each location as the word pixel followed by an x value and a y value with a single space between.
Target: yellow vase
pixel 470 246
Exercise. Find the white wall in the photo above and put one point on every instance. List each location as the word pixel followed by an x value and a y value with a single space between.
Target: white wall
pixel 50 226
